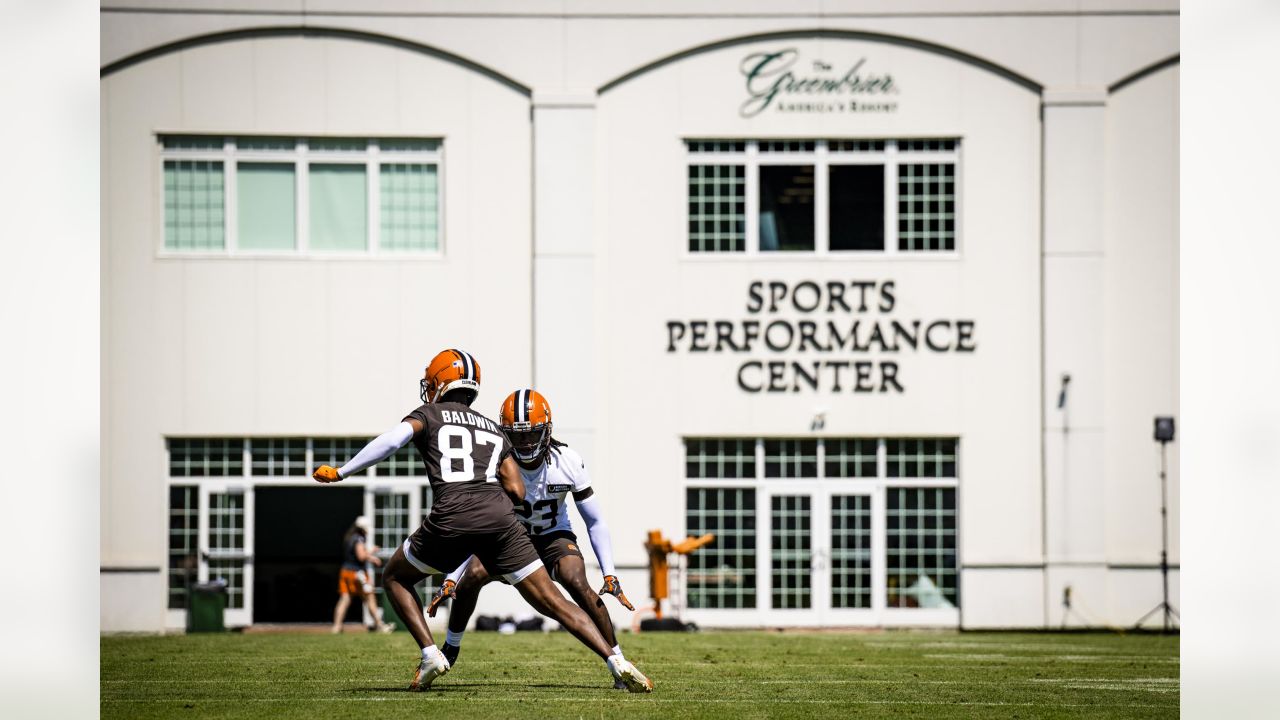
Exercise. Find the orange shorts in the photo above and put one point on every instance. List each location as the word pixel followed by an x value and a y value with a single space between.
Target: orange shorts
pixel 353 582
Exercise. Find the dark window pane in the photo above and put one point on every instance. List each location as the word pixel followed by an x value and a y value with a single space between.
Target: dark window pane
pixel 856 207
pixel 786 207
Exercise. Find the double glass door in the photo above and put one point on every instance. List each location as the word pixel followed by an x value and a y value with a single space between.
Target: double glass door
pixel 821 556
pixel 842 553
pixel 823 531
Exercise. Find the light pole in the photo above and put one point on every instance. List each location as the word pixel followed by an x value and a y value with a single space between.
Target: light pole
pixel 1164 435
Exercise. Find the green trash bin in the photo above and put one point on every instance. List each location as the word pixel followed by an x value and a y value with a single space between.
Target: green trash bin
pixel 208 603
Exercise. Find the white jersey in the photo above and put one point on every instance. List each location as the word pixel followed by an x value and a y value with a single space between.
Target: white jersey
pixel 547 488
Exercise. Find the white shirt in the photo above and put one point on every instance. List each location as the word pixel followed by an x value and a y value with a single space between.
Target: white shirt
pixel 546 491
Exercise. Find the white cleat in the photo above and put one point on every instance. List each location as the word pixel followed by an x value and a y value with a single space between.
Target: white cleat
pixel 428 671
pixel 629 676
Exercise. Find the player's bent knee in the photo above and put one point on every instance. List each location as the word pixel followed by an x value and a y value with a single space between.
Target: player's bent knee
pixel 580 590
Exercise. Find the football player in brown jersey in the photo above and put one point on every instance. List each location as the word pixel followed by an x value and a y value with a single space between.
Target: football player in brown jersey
pixel 552 471
pixel 469 463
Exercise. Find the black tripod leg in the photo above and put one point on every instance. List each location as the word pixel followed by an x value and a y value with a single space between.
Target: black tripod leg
pixel 1153 611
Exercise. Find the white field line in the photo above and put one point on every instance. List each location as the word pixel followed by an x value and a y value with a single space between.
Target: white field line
pixel 1062 658
pixel 990 646
pixel 1128 688
pixel 682 681
pixel 1107 680
pixel 756 702
pixel 770 662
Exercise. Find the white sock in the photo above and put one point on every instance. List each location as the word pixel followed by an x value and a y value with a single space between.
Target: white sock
pixel 429 653
pixel 453 638
pixel 617 652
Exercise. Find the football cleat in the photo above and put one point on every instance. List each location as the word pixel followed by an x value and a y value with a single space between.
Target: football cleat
pixel 525 417
pixel 450 653
pixel 629 675
pixel 428 671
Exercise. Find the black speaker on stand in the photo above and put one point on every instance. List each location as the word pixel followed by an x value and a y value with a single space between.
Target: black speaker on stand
pixel 1164 436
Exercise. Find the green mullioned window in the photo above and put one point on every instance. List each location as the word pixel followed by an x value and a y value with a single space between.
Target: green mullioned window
pixel 920 548
pixel 194 201
pixel 791 552
pixel 284 196
pixel 723 573
pixel 184 542
pixel 410 211
pixel 851 551
pixel 226 544
pixel 832 196
pixel 405 462
pixel 720 457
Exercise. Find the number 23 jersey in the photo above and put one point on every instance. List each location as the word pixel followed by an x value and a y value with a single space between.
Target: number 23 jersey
pixel 547 488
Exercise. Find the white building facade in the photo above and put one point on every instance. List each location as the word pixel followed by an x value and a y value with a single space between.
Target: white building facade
pixel 810 276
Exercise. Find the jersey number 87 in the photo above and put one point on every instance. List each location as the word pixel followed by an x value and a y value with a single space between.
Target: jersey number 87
pixel 449 453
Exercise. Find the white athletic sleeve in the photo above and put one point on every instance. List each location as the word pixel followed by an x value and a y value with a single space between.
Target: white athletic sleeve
pixel 378 449
pixel 599 534
pixel 456 575
pixel 576 468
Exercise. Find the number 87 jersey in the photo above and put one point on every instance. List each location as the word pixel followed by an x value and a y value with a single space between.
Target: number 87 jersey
pixel 461 451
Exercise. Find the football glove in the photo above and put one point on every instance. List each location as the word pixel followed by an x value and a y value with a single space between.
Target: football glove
pixel 446 591
pixel 614 588
pixel 326 474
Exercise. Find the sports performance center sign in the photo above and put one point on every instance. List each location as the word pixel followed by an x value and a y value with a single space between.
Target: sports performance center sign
pixel 831 336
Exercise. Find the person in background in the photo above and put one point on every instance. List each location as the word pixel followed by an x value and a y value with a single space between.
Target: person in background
pixel 356 577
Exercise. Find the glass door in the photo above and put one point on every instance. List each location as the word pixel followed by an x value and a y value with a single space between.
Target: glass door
pixel 390 511
pixel 852 558
pixel 224 547
pixel 794 553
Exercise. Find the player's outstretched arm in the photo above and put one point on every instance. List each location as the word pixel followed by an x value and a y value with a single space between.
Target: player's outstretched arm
pixel 591 513
pixel 378 449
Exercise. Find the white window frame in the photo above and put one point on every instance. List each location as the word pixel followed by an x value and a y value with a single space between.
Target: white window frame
pixel 301 157
pixel 823 158
pixel 821 489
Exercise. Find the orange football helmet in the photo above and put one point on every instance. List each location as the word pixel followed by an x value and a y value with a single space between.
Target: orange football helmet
pixel 450 370
pixel 526 421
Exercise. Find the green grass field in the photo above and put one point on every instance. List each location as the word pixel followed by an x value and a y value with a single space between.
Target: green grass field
pixel 701 675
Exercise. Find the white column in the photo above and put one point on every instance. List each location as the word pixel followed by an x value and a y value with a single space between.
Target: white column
pixel 1075 491
pixel 564 262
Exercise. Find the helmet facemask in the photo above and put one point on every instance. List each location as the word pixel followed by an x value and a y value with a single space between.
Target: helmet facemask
pixel 528 441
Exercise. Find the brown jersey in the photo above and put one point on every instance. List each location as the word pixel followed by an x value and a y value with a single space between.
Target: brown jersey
pixel 462 450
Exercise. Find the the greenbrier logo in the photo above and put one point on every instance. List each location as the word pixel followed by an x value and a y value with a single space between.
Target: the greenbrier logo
pixel 771 76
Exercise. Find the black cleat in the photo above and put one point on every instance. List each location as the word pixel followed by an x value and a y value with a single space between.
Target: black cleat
pixel 450 653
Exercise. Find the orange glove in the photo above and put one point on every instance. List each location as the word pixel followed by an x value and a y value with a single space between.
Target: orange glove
pixel 446 591
pixel 326 474
pixel 614 588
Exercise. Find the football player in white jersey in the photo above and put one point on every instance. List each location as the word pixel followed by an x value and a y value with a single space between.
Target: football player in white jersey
pixel 552 472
